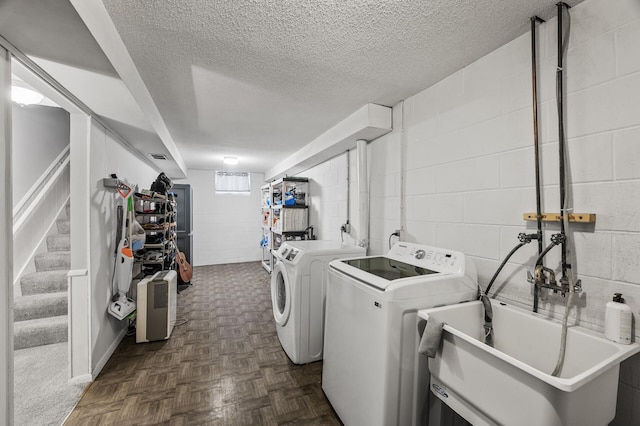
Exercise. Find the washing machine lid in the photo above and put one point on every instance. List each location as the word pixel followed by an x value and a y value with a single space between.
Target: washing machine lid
pixel 293 252
pixel 387 268
pixel 407 262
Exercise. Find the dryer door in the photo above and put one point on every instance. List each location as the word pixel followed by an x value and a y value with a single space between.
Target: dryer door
pixel 280 294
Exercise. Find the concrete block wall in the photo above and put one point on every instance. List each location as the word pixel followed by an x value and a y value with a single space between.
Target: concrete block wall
pixel 467 146
pixel 328 206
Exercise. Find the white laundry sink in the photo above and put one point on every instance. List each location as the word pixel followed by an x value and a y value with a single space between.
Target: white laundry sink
pixel 511 383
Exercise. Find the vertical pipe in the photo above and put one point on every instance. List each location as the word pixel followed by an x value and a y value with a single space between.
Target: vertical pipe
pixel 536 146
pixel 561 136
pixel 363 192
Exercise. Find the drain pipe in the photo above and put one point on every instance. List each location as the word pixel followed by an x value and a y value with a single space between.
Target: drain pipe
pixel 536 145
pixel 363 192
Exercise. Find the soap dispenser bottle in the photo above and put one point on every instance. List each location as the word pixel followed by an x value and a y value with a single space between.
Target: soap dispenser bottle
pixel 617 320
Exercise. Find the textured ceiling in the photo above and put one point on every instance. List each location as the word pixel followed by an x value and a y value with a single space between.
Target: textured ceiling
pixel 260 79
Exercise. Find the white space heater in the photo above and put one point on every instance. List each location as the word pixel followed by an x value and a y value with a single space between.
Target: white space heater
pixel 156 306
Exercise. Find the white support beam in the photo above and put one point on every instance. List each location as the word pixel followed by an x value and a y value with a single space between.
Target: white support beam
pixel 95 16
pixel 368 123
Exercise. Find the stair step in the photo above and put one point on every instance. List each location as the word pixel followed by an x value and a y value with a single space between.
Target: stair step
pixel 64 225
pixel 38 332
pixel 44 282
pixel 52 261
pixel 59 242
pixel 39 306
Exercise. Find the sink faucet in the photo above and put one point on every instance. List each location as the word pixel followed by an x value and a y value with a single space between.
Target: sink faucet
pixel 545 277
pixel 541 277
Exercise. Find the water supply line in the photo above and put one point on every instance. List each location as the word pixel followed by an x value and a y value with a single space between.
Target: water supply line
pixel 536 146
pixel 566 281
pixel 484 295
pixel 363 193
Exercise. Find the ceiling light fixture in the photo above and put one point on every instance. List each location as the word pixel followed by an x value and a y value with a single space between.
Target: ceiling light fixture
pixel 230 160
pixel 24 96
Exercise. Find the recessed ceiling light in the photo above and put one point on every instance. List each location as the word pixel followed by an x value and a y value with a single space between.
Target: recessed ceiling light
pixel 230 160
pixel 24 96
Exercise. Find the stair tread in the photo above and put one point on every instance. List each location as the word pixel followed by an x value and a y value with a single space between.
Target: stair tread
pixel 44 282
pixel 40 296
pixel 41 322
pixel 40 331
pixel 43 305
pixel 64 225
pixel 54 253
pixel 58 242
pixel 51 261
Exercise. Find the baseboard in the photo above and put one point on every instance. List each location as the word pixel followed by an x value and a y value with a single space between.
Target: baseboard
pixel 112 348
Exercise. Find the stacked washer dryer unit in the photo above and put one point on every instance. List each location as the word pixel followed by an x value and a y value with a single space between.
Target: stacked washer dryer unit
pixel 371 363
pixel 298 287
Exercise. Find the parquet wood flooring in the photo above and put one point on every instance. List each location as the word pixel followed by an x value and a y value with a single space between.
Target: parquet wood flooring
pixel 225 366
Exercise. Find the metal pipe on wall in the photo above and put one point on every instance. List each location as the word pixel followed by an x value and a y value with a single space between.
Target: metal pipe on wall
pixel 363 193
pixel 536 145
pixel 561 134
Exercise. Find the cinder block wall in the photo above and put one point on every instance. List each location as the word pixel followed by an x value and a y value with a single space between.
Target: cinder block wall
pixel 463 156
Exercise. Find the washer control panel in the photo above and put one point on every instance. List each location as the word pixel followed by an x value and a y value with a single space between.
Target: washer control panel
pixel 437 259
pixel 288 253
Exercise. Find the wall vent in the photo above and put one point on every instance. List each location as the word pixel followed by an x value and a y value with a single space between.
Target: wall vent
pixel 158 156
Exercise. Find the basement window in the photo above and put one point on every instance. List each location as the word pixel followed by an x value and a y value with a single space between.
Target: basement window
pixel 233 182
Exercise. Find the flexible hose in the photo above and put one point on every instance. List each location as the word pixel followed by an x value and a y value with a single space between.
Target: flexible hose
pixel 484 297
pixel 564 210
pixel 563 337
pixel 504 262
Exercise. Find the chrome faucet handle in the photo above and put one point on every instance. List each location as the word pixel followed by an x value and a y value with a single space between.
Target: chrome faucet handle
pixel 530 278
pixel 577 288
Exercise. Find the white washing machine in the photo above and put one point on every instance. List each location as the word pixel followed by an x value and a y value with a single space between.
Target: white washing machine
pixel 371 362
pixel 298 284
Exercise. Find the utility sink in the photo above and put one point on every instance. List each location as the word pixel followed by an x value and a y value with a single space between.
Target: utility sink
pixel 511 383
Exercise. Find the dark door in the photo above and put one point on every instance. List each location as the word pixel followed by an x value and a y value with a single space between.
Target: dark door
pixel 184 228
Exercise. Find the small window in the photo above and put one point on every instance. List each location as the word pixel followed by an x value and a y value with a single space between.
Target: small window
pixel 233 182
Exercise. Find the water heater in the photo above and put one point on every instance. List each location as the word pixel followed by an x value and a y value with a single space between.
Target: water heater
pixel 156 306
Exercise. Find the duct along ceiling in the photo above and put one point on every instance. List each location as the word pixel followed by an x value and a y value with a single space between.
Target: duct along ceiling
pixel 254 79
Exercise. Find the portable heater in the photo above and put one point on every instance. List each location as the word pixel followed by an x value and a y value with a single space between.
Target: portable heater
pixel 156 306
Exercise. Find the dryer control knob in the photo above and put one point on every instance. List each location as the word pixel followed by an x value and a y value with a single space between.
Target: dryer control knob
pixel 420 254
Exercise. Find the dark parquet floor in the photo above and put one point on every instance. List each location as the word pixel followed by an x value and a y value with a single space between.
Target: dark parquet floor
pixel 225 366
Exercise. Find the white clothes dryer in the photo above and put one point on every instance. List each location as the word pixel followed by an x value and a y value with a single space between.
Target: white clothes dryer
pixel 370 370
pixel 298 286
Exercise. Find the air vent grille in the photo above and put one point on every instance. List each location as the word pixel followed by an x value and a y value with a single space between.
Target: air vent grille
pixel 158 156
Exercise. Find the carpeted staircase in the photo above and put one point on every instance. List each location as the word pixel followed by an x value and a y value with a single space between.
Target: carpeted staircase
pixel 40 314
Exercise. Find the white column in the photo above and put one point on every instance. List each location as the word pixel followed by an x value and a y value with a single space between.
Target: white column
pixel 80 306
pixel 6 244
pixel 363 193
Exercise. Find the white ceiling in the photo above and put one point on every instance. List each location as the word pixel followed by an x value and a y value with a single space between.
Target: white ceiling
pixel 261 79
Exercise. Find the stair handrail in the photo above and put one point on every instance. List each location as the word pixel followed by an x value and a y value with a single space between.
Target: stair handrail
pixel 28 204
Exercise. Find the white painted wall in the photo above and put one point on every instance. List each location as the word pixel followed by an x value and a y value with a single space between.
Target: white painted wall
pixel 226 227
pixel 40 134
pixel 107 156
pixel 328 197
pixel 470 167
pixel 461 159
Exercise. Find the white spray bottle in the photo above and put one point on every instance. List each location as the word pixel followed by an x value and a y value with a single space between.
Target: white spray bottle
pixel 617 320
